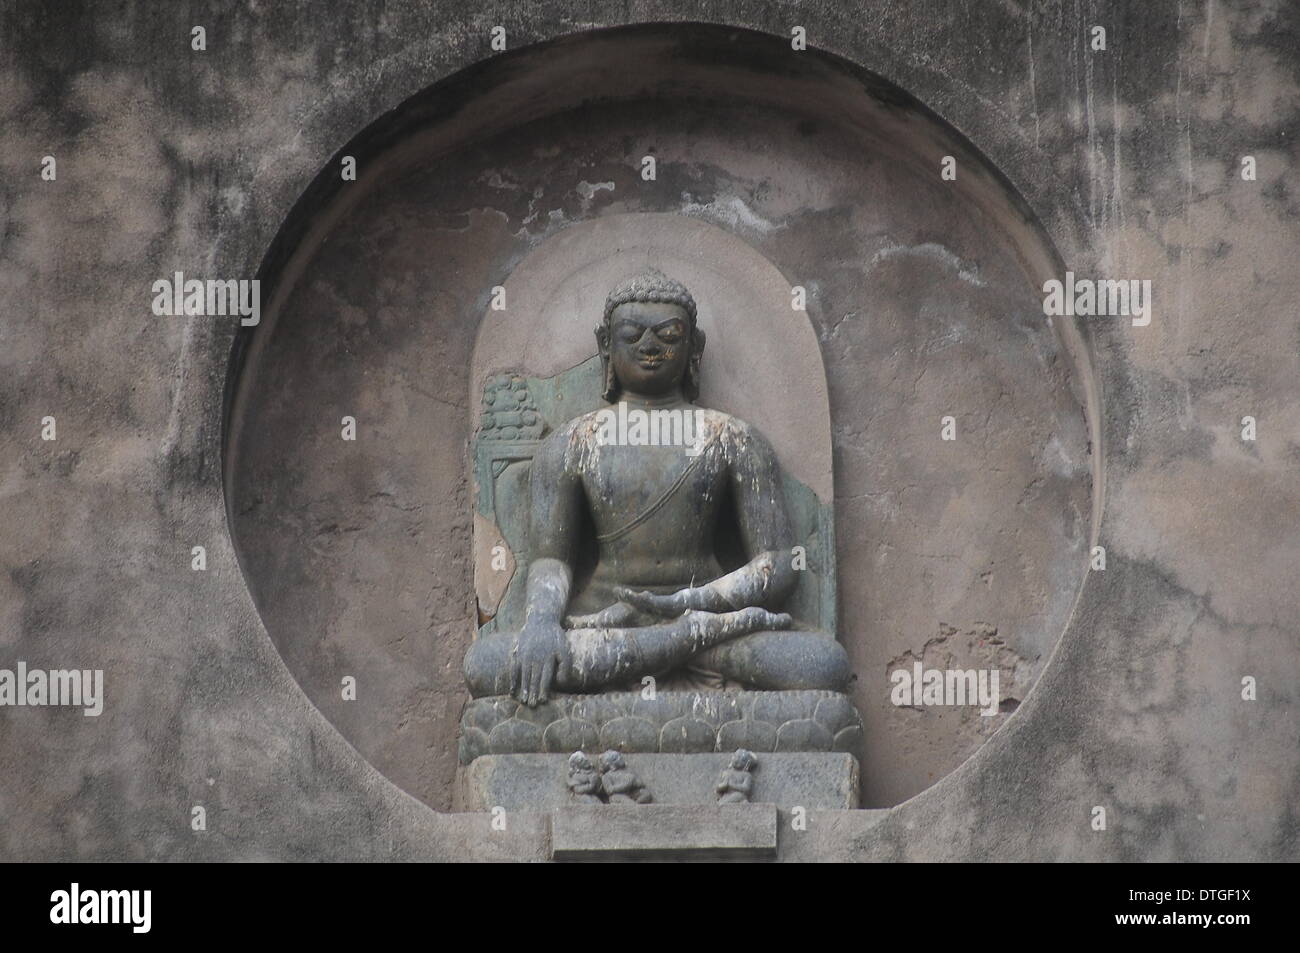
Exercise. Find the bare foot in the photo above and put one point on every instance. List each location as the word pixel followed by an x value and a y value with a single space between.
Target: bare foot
pixel 742 621
pixel 756 619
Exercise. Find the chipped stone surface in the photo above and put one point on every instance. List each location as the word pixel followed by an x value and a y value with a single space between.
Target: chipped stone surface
pixel 1127 161
pixel 495 566
pixel 978 648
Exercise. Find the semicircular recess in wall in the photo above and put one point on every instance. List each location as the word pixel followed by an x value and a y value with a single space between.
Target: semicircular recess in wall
pixel 962 554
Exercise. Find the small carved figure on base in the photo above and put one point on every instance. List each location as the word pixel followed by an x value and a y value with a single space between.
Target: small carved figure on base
pixel 584 779
pixel 620 784
pixel 736 783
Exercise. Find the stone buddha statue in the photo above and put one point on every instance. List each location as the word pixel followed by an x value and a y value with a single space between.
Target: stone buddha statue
pixel 645 484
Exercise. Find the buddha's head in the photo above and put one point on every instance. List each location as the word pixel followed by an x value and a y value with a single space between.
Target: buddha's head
pixel 649 342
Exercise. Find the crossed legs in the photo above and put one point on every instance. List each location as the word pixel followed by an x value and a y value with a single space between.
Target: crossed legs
pixel 752 646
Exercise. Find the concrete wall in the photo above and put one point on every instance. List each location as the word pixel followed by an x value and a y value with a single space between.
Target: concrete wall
pixel 1128 159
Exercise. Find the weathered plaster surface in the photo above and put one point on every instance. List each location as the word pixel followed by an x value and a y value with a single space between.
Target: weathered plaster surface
pixel 170 159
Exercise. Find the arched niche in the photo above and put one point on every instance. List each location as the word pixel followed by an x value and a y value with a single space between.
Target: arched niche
pixel 763 365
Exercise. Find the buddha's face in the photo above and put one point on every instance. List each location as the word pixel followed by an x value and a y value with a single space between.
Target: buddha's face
pixel 650 347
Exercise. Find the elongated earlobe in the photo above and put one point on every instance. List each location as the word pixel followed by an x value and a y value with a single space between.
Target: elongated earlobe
pixel 691 386
pixel 609 384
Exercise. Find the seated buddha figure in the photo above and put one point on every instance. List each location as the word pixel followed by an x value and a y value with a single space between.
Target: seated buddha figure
pixel 657 598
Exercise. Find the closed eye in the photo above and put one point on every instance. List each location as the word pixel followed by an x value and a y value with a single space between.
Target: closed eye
pixel 629 332
pixel 669 331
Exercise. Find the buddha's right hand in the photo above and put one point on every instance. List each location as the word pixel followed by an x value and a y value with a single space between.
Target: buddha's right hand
pixel 540 650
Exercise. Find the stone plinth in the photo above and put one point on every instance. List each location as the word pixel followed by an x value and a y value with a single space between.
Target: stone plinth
pixel 537 782
pixel 664 832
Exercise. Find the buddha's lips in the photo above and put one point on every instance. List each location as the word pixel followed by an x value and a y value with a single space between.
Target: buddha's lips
pixel 651 365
